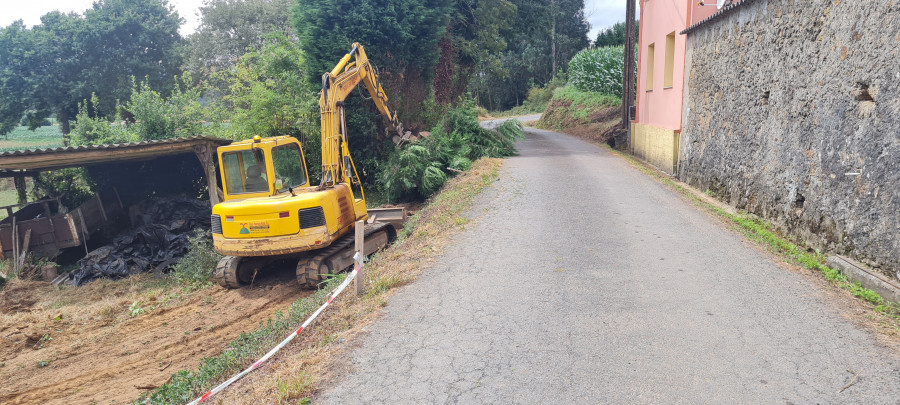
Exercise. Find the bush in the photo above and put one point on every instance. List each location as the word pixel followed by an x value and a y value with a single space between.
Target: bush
pixel 420 169
pixel 196 268
pixel 91 129
pixel 157 117
pixel 598 70
pixel 33 121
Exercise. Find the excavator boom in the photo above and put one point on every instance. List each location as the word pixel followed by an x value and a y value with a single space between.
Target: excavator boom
pixel 336 86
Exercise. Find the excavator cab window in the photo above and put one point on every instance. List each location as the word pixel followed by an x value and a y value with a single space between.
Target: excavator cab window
pixel 245 172
pixel 289 170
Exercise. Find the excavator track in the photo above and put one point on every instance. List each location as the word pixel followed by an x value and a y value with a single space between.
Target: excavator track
pixel 236 272
pixel 313 269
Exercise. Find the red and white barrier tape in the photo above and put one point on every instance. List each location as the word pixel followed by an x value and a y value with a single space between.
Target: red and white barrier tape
pixel 288 339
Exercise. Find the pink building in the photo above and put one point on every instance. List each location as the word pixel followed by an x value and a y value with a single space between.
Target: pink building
pixel 660 82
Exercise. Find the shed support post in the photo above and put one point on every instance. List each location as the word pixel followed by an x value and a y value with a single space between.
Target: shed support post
pixel 20 188
pixel 205 153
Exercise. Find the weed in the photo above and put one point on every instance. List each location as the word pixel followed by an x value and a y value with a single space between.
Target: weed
pixel 42 363
pixel 196 268
pixel 293 387
pixel 108 313
pixel 135 309
pixel 421 168
pixel 184 385
pixel 571 107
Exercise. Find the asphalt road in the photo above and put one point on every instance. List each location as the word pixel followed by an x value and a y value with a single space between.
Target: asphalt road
pixel 581 280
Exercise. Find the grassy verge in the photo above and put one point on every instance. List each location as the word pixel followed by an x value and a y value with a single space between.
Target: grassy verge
pixel 418 244
pixel 570 107
pixel 524 109
pixel 765 234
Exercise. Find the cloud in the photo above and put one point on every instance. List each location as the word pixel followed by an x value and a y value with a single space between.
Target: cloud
pixel 604 13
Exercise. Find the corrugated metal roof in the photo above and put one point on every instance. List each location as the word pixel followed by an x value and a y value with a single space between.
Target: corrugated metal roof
pixel 77 156
pixel 719 14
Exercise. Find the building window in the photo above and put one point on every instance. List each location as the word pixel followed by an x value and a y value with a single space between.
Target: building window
pixel 670 61
pixel 648 81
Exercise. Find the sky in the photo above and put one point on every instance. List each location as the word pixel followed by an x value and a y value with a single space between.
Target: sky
pixel 600 13
pixel 604 13
pixel 30 11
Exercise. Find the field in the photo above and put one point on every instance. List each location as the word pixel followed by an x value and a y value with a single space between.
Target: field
pixel 21 138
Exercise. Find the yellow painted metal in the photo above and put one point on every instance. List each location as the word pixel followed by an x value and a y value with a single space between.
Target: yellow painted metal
pixel 267 234
pixel 266 223
pixel 336 86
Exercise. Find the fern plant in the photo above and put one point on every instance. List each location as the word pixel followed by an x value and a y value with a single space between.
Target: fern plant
pixel 421 168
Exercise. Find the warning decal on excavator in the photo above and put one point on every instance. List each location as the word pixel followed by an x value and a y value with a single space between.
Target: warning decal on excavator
pixel 254 227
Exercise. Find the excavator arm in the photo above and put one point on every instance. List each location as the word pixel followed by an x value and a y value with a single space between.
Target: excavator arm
pixel 336 86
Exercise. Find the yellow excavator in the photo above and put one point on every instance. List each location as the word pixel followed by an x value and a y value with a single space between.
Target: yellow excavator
pixel 271 212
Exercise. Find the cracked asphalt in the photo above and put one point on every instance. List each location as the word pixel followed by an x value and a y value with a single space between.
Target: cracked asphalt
pixel 581 280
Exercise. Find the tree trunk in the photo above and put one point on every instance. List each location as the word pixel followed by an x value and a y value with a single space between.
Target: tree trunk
pixel 553 37
pixel 63 119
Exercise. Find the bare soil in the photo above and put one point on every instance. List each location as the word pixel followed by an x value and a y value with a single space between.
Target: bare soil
pixel 109 341
pixel 600 125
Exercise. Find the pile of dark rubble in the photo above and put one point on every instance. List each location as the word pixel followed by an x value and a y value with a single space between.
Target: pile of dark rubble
pixel 159 240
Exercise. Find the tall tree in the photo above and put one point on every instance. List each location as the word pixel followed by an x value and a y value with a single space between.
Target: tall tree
pixel 49 69
pixel 126 38
pixel 544 36
pixel 612 36
pixel 474 39
pixel 400 37
pixel 229 27
pixel 15 43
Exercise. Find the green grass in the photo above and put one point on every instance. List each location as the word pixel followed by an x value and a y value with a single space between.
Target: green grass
pixel 571 107
pixel 7 197
pixel 586 99
pixel 765 234
pixel 23 138
pixel 524 109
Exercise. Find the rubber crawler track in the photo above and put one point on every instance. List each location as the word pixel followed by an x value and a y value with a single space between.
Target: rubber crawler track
pixel 227 272
pixel 311 270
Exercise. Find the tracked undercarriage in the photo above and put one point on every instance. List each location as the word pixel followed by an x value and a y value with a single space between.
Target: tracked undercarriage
pixel 312 267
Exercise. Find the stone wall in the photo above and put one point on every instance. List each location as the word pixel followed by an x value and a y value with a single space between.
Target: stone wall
pixel 792 112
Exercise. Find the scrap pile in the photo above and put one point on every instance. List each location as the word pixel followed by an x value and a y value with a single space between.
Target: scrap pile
pixel 157 243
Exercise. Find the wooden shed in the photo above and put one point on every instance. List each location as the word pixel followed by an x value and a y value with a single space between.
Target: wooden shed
pixel 40 227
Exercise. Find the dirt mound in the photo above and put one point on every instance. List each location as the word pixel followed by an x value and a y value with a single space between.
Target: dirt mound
pixel 20 295
pixel 110 341
pixel 598 125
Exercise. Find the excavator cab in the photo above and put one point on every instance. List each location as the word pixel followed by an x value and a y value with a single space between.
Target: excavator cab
pixel 257 168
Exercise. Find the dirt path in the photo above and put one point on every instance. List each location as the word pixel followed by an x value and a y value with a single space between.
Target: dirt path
pixel 83 345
